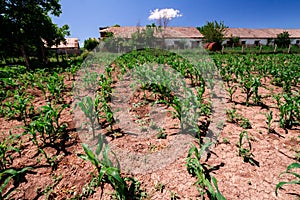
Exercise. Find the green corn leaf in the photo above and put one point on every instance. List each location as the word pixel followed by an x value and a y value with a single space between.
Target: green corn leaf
pixel 293 166
pixel 280 184
pixel 90 155
pixel 293 173
pixel 209 187
pixel 106 159
pixel 204 147
pixel 219 196
pixel 100 145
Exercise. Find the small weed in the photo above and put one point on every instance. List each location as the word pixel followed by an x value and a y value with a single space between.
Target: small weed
pixel 226 140
pixel 245 123
pixel 174 195
pixel 159 187
pixel 161 133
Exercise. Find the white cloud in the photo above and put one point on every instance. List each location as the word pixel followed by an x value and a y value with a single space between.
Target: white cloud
pixel 166 13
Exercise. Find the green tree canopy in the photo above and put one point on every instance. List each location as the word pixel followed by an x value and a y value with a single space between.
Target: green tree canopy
pixel 90 43
pixel 26 27
pixel 283 39
pixel 213 31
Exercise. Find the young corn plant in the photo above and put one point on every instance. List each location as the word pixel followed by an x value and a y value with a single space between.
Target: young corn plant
pixel 231 90
pixel 21 107
pixel 250 85
pixel 105 87
pixel 289 171
pixel 7 149
pixel 109 172
pixel 87 105
pixel 243 151
pixel 289 110
pixel 11 174
pixel 108 113
pixel 269 121
pixel 55 86
pixel 206 184
pixel 48 125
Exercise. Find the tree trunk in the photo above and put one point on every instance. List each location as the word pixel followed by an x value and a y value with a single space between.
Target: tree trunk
pixel 44 59
pixel 26 59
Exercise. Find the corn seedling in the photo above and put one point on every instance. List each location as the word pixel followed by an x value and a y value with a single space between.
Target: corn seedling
pixel 11 174
pixel 87 105
pixel 21 107
pixel 245 123
pixel 48 125
pixel 55 86
pixel 245 152
pixel 198 169
pixel 106 170
pixel 159 187
pixel 231 90
pixel 7 148
pixel 289 110
pixel 269 121
pixel 288 171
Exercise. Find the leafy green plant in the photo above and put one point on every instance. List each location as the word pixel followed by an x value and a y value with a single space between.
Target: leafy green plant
pixel 48 125
pixel 243 151
pixel 288 171
pixel 289 110
pixel 87 105
pixel 198 169
pixel 21 107
pixel 159 187
pixel 269 121
pixel 55 85
pixel 174 195
pixel 11 174
pixel 108 113
pixel 104 166
pixel 245 123
pixel 7 148
pixel 250 85
pixel 49 189
pixel 108 172
pixel 161 134
pixel 234 117
pixel 231 90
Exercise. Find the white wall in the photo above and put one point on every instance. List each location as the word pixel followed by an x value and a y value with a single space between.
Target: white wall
pixel 186 43
pixel 262 41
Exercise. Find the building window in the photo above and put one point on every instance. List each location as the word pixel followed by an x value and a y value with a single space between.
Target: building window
pixel 243 42
pixel 256 42
pixel 297 41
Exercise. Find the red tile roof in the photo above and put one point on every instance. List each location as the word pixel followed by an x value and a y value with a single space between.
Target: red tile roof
pixel 260 33
pixel 169 32
pixel 70 43
pixel 192 32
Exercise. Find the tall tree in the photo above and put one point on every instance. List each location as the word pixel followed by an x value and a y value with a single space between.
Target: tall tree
pixel 90 43
pixel 213 31
pixel 26 26
pixel 283 39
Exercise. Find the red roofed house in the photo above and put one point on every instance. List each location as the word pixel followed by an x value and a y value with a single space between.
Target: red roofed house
pixel 181 37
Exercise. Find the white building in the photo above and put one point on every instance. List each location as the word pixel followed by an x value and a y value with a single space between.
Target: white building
pixel 191 37
pixel 264 36
pixel 181 37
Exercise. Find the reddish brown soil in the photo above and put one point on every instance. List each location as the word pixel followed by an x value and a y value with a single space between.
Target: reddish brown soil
pixel 236 179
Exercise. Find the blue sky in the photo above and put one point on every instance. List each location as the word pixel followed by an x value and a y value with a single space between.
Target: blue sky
pixel 86 16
